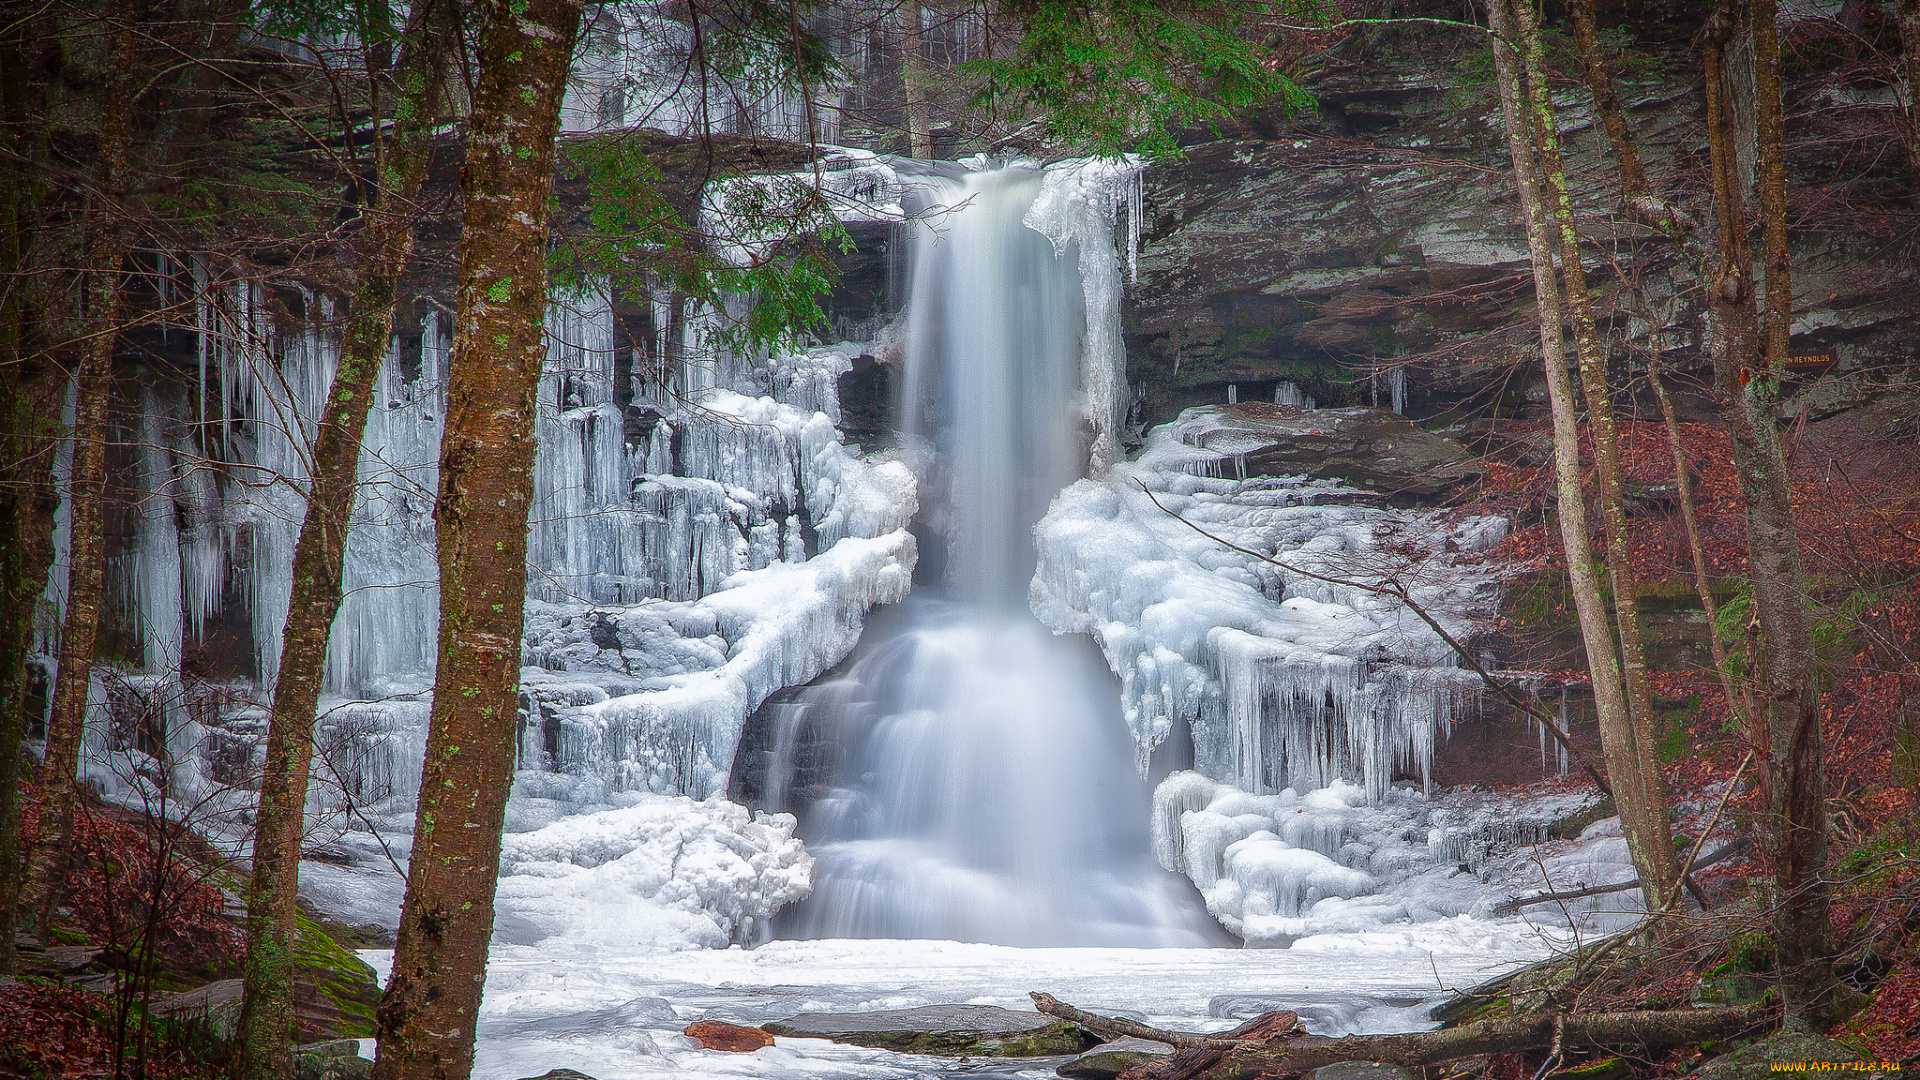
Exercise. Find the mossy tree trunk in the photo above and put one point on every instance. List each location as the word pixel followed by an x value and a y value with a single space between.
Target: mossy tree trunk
pixel 28 434
pixel 1627 766
pixel 1749 353
pixel 1635 772
pixel 108 232
pixel 486 488
pixel 383 248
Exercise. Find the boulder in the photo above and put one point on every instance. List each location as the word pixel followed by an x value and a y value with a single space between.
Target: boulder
pixel 334 1059
pixel 559 1074
pixel 1369 448
pixel 943 1031
pixel 720 1035
pixel 1359 1070
pixel 214 1009
pixel 1110 1059
pixel 1755 1060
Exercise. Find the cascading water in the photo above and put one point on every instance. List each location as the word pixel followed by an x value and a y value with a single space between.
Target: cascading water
pixel 981 783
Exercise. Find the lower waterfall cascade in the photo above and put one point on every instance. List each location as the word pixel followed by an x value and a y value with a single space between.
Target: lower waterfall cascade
pixel 705 542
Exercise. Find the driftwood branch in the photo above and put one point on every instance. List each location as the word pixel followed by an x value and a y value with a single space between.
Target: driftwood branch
pixel 1116 1027
pixel 1193 1055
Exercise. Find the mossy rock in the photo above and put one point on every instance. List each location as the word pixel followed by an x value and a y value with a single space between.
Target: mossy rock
pixel 335 992
pixel 943 1031
pixel 1795 1048
pixel 334 1059
pixel 1571 826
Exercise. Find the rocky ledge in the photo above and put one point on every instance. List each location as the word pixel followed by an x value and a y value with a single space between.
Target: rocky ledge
pixel 1369 448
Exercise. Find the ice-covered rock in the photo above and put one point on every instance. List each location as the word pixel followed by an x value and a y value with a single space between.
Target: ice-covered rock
pixel 1282 867
pixel 652 697
pixel 1280 655
pixel 665 871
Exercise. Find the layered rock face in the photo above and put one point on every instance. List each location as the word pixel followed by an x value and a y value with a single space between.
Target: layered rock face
pixel 1372 255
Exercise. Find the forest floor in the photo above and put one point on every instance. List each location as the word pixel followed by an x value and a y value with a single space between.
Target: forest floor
pixel 1857 500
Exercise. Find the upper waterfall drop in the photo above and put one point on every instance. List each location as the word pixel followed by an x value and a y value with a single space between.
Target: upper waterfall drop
pixel 971 777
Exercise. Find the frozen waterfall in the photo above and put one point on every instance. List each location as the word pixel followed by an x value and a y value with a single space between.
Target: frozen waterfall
pixel 969 775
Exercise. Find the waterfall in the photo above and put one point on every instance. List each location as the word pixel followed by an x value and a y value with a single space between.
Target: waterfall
pixel 970 776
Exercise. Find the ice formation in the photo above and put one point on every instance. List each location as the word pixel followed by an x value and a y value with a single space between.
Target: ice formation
pixel 1277 868
pixel 666 871
pixel 749 499
pixel 1279 679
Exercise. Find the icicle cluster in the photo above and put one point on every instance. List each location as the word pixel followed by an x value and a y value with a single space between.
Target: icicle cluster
pixel 722 483
pixel 1281 679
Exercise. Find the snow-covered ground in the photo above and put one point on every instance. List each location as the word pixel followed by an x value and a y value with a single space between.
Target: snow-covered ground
pixel 616 1013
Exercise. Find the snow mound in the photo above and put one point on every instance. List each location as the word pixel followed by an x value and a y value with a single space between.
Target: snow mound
pixel 665 872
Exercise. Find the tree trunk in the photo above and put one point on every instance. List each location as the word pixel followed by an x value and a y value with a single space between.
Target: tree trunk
pixel 1609 692
pixel 486 487
pixel 385 245
pixel 28 434
pixel 1606 101
pixel 1785 725
pixel 1635 773
pixel 1910 61
pixel 46 873
pixel 1696 546
pixel 913 79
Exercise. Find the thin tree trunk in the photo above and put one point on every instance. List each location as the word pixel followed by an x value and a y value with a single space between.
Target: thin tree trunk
pixel 486 488
pixel 1644 811
pixel 27 496
pixel 1696 546
pixel 385 246
pixel 913 79
pixel 1747 371
pixel 1597 631
pixel 1910 61
pixel 46 873
pixel 1606 100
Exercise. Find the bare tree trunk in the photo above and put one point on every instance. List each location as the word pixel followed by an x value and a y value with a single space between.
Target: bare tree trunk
pixel 1606 100
pixel 486 487
pixel 1788 701
pixel 1644 810
pixel 1626 771
pixel 385 245
pixel 27 496
pixel 108 233
pixel 1696 546
pixel 913 79
pixel 1910 60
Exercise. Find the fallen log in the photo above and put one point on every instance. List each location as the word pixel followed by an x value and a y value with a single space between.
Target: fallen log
pixel 1642 1028
pixel 1275 1043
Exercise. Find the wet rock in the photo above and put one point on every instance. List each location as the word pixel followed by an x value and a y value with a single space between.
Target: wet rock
pixel 1369 448
pixel 559 1074
pixel 214 1009
pixel 943 1031
pixel 720 1035
pixel 334 1059
pixel 1359 1070
pixel 1110 1059
pixel 1755 1061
